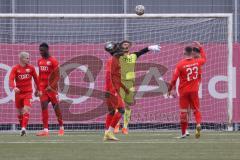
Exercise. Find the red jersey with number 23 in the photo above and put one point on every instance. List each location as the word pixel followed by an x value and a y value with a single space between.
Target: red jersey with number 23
pixel 189 71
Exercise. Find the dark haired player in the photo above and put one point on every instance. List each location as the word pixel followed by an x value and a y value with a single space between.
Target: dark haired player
pixel 128 63
pixel 188 71
pixel 114 101
pixel 48 84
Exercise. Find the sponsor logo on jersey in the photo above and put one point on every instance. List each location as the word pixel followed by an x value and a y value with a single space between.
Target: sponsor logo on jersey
pixel 23 76
pixel 43 68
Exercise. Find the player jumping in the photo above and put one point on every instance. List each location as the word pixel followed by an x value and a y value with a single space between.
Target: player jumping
pixel 22 74
pixel 188 71
pixel 127 63
pixel 113 84
pixel 48 84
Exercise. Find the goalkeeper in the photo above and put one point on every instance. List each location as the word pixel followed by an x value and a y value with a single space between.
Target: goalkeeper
pixel 127 64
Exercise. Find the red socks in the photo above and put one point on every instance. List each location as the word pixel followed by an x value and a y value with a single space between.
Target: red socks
pixel 108 121
pixel 25 119
pixel 117 116
pixel 45 118
pixel 59 116
pixel 20 117
pixel 183 122
pixel 198 116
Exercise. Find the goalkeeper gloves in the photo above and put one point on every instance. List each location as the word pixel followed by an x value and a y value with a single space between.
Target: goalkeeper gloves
pixel 154 48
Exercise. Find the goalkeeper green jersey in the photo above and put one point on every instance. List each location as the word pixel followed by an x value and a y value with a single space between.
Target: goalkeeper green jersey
pixel 127 63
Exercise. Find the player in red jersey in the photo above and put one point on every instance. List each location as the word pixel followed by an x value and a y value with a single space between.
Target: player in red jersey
pixel 113 82
pixel 48 84
pixel 22 74
pixel 196 54
pixel 188 71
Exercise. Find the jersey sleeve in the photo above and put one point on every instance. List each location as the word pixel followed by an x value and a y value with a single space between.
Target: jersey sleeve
pixel 55 75
pixel 202 60
pixel 39 73
pixel 35 77
pixel 55 64
pixel 142 52
pixel 174 77
pixel 12 78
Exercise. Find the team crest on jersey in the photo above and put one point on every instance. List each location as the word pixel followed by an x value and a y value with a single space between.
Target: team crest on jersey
pixel 28 70
pixel 49 63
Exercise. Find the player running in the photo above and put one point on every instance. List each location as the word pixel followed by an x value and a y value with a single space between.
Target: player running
pixel 22 74
pixel 188 71
pixel 114 101
pixel 127 63
pixel 48 84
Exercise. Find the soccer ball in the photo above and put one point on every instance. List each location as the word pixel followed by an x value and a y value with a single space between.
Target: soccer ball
pixel 139 10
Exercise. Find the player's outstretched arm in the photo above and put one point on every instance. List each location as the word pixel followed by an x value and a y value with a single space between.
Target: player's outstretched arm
pixel 147 49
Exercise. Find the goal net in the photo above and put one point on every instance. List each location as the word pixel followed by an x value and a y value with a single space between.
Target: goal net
pixel 77 42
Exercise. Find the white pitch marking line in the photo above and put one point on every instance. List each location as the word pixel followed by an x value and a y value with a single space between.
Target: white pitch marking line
pixel 156 141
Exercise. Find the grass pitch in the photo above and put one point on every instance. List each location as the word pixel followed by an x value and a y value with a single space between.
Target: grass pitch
pixel 135 146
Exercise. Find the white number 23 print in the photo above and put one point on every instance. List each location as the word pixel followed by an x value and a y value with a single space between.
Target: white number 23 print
pixel 192 73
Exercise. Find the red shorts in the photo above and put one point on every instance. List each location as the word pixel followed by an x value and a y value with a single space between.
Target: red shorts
pixel 49 96
pixel 23 99
pixel 190 99
pixel 115 101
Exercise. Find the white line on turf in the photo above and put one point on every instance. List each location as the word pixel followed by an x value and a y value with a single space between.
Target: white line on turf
pixel 126 142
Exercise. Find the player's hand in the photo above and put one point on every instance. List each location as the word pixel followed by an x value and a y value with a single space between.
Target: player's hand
pixel 154 48
pixel 49 88
pixel 197 44
pixel 172 93
pixel 36 93
pixel 16 90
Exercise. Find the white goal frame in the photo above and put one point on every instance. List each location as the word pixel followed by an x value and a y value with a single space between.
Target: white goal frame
pixel 229 17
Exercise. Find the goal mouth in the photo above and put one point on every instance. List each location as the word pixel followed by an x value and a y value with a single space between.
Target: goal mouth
pixel 71 36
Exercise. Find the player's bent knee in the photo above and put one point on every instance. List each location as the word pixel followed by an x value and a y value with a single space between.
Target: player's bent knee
pixel 121 110
pixel 112 112
pixel 55 106
pixel 19 111
pixel 26 109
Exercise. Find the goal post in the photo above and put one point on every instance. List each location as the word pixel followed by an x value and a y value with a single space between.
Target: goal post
pixel 80 37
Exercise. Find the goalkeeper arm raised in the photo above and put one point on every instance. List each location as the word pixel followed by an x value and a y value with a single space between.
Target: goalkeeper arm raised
pixel 147 49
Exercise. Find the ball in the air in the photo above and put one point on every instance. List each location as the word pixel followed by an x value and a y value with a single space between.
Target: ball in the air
pixel 139 10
